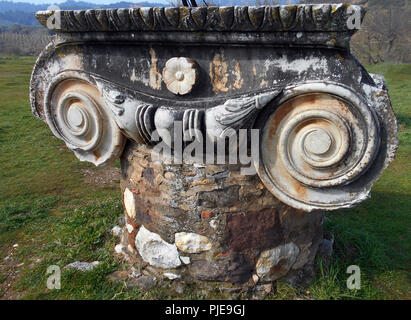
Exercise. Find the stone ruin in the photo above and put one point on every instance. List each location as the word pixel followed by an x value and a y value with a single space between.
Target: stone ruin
pixel 119 83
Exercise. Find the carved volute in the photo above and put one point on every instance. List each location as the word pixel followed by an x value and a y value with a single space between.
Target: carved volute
pixel 76 113
pixel 327 129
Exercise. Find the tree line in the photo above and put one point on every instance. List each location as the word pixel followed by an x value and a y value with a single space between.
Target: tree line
pixel 23 40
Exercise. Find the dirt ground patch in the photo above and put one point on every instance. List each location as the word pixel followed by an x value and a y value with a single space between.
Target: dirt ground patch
pixel 9 272
pixel 102 177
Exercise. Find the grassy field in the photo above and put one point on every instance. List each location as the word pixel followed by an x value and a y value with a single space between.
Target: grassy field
pixel 50 214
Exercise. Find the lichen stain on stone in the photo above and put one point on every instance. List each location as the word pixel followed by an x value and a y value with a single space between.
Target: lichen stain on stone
pixel 335 7
pixel 61 53
pixel 238 82
pixel 308 63
pixel 155 75
pixel 73 62
pixel 339 57
pixel 218 73
pixel 70 59
pixel 332 42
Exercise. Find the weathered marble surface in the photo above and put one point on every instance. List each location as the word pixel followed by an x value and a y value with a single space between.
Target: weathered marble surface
pixel 126 91
pixel 112 83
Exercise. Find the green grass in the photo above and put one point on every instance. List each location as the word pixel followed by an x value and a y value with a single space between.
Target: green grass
pixel 56 218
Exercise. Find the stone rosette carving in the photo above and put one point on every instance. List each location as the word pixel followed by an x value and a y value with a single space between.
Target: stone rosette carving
pixel 327 129
pixel 180 75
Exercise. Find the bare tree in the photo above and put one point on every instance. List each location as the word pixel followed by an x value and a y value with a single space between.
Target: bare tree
pixel 28 41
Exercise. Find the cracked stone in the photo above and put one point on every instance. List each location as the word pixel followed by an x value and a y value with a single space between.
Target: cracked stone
pixel 224 197
pixel 116 231
pixel 118 276
pixel 83 266
pixel 143 283
pixel 171 276
pixel 119 248
pixel 255 278
pixel 192 242
pixel 275 263
pixel 130 228
pixel 157 252
pixel 129 203
pixel 186 260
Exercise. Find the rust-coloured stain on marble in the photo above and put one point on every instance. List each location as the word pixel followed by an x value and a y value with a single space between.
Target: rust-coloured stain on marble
pixel 238 82
pixel 155 75
pixel 97 155
pixel 299 188
pixel 218 73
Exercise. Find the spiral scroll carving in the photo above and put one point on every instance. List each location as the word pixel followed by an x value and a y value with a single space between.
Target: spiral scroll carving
pixel 77 114
pixel 314 146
